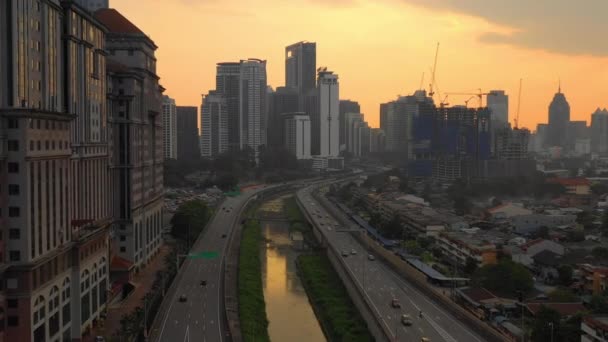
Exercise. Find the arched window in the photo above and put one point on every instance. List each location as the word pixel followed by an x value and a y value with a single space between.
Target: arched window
pixel 39 310
pixel 54 299
pixel 85 282
pixel 65 291
pixel 94 273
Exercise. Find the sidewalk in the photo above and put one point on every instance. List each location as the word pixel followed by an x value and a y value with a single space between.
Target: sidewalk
pixel 143 282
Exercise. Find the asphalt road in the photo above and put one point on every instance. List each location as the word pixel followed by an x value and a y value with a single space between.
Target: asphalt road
pixel 200 318
pixel 382 285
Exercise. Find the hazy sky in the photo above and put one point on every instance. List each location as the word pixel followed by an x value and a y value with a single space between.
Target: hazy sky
pixel 380 48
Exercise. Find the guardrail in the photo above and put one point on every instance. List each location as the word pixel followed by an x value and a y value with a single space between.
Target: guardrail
pixel 359 297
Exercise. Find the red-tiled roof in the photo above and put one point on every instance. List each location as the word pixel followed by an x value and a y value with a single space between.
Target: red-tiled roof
pixel 564 309
pixel 116 22
pixel 120 264
pixel 531 243
pixel 478 293
pixel 569 181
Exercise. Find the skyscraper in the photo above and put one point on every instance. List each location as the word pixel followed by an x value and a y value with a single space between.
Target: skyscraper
pixel 283 100
pixel 252 104
pixel 599 131
pixel 346 106
pixel 301 66
pixel 136 163
pixel 498 103
pixel 227 84
pixel 559 116
pixel 169 127
pixel 329 113
pixel 297 134
pixel 54 171
pixel 214 125
pixel 187 133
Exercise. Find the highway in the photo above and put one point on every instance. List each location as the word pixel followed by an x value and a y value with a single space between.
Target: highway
pixel 382 285
pixel 200 317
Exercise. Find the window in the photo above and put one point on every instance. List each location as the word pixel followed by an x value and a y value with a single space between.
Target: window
pixel 46 145
pixel 13 123
pixel 123 238
pixel 13 145
pixel 123 249
pixel 14 212
pixel 12 303
pixel 66 314
pixel 14 255
pixel 13 321
pixel 130 52
pixel 13 189
pixel 14 234
pixel 31 145
pixel 13 167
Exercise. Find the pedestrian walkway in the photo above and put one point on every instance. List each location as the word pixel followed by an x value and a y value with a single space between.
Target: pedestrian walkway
pixel 143 282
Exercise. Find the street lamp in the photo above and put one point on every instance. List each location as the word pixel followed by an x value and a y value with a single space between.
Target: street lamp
pixel 551 325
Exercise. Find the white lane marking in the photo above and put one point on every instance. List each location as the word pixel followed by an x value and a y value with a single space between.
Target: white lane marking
pixel 187 336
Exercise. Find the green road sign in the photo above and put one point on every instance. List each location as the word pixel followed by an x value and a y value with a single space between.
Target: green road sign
pixel 203 255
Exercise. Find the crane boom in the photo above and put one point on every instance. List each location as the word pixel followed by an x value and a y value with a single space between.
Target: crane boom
pixel 518 105
pixel 432 91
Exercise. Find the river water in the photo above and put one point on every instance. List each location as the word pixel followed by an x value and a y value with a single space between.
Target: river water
pixel 290 315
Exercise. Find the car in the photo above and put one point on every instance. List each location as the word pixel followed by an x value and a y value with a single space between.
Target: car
pixel 353 252
pixel 395 303
pixel 406 320
pixel 425 339
pixel 99 339
pixel 183 298
pixel 345 253
pixel 223 208
pixel 223 236
pixel 203 282
pixel 370 257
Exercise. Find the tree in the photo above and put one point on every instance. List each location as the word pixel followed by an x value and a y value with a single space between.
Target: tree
pixel 189 220
pixel 600 252
pixel 576 235
pixel 565 275
pixel 392 229
pixel 599 188
pixel 412 247
pixel 504 278
pixel 599 304
pixel 227 181
pixel 546 321
pixel 542 232
pixel 605 223
pixel 585 219
pixel 462 205
pixel 563 295
pixel 471 266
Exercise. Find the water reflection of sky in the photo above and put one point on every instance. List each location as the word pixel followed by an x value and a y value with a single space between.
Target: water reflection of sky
pixel 289 312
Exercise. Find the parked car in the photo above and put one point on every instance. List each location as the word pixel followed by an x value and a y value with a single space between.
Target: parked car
pixel 406 320
pixel 371 257
pixel 183 298
pixel 395 303
pixel 345 253
pixel 353 252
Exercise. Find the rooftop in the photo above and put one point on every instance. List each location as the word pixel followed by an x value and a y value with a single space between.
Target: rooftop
pixel 569 181
pixel 564 309
pixel 116 22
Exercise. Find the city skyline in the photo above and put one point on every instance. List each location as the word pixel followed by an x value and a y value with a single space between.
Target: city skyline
pixel 188 70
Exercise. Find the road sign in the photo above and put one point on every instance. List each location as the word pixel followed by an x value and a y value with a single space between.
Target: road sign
pixel 203 255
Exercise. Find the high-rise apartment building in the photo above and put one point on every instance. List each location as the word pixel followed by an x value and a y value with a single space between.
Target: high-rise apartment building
pixel 214 138
pixel 376 140
pixel 54 162
pixel 346 106
pixel 301 67
pixel 498 103
pixel 169 127
pixel 252 104
pixel 599 131
pixel 329 113
pixel 227 84
pixel 137 154
pixel 283 100
pixel 187 133
pixel 297 134
pixel 93 5
pixel 349 125
pixel 559 117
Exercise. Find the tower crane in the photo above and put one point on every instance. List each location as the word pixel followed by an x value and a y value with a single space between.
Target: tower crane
pixel 432 90
pixel 479 95
pixel 519 104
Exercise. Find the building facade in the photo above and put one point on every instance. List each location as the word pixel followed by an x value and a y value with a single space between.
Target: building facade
pixel 297 134
pixel 252 104
pixel 283 100
pixel 187 133
pixel 134 99
pixel 301 67
pixel 498 103
pixel 599 131
pixel 54 148
pixel 346 106
pixel 227 84
pixel 214 139
pixel 329 113
pixel 93 5
pixel 169 110
pixel 559 118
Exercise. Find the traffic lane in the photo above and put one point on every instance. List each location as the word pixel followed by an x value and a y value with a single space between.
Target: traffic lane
pixel 432 325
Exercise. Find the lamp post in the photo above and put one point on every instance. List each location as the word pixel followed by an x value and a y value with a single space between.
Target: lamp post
pixel 551 325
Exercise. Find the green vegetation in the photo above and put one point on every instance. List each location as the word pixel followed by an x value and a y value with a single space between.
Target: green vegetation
pixel 333 307
pixel 252 308
pixel 563 295
pixel 516 186
pixel 505 278
pixel 189 220
pixel 549 326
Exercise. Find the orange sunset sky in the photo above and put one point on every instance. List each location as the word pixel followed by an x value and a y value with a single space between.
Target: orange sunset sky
pixel 381 48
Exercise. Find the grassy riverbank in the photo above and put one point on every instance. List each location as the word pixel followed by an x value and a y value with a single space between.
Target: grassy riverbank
pixel 252 307
pixel 332 305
